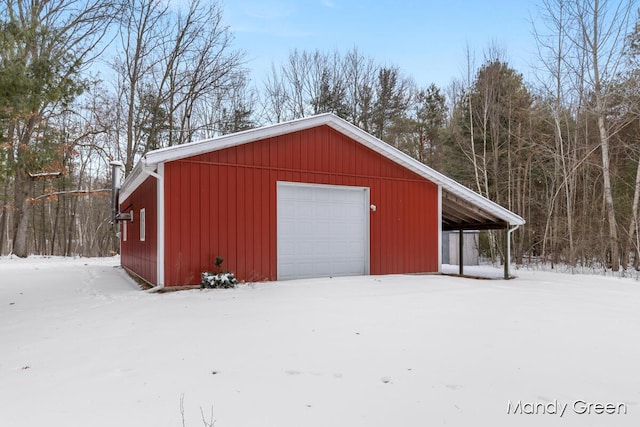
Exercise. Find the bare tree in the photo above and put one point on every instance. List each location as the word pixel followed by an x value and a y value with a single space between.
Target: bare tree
pixel 141 30
pixel 581 50
pixel 602 26
pixel 553 47
pixel 319 82
pixel 359 73
pixel 171 63
pixel 275 97
pixel 632 91
pixel 230 109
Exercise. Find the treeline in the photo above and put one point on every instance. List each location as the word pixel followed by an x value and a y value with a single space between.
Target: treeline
pixel 83 83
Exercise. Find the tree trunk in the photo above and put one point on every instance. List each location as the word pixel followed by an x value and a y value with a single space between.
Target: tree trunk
pixel 608 195
pixel 4 214
pixel 20 244
pixel 634 219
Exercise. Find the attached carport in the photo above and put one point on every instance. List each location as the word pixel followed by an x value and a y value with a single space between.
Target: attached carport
pixel 462 212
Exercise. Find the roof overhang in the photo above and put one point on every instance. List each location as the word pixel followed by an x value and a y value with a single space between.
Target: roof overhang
pixel 460 214
pixel 462 208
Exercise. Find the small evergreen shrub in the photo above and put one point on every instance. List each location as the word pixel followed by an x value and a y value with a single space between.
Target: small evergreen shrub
pixel 218 278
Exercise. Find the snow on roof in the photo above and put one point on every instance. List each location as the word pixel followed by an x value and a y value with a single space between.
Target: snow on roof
pixel 464 207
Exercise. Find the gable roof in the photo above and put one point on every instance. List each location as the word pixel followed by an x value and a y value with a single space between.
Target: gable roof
pixel 462 208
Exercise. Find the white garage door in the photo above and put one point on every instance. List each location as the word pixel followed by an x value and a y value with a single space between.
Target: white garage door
pixel 323 230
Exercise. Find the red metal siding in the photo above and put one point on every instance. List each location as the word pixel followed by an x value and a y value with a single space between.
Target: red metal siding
pixel 223 203
pixel 141 257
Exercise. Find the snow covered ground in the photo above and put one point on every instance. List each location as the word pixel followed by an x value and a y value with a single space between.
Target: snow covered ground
pixel 81 345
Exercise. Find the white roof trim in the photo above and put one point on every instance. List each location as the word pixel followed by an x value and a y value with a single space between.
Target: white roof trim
pixel 150 160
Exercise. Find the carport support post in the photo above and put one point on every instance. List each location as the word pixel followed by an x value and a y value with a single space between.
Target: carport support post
pixel 506 252
pixel 461 252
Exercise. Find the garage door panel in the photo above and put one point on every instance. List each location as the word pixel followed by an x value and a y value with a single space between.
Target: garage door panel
pixel 322 230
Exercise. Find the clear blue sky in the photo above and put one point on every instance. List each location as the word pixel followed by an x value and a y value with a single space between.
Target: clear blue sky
pixel 425 39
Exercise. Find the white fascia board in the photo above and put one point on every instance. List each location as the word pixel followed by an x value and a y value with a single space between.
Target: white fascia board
pixel 131 182
pixel 135 178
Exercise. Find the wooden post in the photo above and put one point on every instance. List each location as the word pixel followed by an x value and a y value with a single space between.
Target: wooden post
pixel 461 252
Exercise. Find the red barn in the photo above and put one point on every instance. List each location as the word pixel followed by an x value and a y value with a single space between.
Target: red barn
pixel 311 197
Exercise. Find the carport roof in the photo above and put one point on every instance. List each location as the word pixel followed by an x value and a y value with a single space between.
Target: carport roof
pixel 462 208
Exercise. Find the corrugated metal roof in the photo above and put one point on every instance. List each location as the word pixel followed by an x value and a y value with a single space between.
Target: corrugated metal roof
pixel 462 208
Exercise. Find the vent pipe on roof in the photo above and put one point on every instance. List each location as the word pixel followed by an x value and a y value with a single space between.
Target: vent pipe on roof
pixel 116 182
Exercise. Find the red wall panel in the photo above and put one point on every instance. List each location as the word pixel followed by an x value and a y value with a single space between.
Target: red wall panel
pixel 223 203
pixel 136 255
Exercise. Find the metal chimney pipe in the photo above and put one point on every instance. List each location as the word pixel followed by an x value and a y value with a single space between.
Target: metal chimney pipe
pixel 116 178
